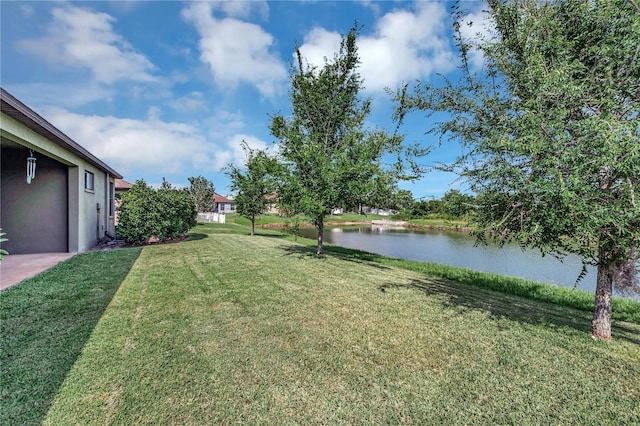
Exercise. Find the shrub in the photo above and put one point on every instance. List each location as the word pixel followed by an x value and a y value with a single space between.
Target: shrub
pixel 145 212
pixel 178 212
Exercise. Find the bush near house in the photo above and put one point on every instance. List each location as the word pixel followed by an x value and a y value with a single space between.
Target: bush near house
pixel 164 213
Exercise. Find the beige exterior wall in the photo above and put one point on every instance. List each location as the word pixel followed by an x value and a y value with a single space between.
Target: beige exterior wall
pixel 86 223
pixel 94 220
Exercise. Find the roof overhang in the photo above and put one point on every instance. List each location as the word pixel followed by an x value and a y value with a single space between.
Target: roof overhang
pixel 29 118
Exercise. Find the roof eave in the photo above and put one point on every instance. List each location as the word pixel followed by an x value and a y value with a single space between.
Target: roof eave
pixel 32 120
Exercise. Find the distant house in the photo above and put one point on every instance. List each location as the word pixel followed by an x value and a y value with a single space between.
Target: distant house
pixel 122 186
pixel 68 204
pixel 273 206
pixel 223 204
pixel 380 212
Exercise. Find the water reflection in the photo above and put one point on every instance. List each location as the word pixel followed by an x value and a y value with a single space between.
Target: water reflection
pixel 459 249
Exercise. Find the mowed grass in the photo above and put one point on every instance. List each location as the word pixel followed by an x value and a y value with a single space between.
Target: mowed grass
pixel 231 329
pixel 44 324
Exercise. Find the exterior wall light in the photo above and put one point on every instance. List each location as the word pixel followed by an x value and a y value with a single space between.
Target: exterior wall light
pixel 31 167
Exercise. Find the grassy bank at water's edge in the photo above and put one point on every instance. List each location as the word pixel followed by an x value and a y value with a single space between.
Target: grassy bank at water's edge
pixel 624 309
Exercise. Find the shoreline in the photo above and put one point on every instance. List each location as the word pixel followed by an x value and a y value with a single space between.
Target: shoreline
pixel 403 224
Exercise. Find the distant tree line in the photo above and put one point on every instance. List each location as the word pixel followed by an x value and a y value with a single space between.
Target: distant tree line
pixel 453 205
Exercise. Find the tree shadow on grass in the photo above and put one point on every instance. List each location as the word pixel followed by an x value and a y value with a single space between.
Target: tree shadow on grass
pixel 196 237
pixel 525 306
pixel 347 255
pixel 268 234
pixel 44 324
pixel 501 305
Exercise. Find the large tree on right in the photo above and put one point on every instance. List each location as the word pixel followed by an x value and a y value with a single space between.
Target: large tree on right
pixel 550 128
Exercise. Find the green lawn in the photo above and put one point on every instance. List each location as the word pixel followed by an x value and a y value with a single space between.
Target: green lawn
pixel 44 324
pixel 438 223
pixel 232 329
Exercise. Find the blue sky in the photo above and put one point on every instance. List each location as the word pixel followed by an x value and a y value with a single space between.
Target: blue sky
pixel 170 89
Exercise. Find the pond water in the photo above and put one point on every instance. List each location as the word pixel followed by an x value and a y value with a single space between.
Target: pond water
pixel 459 249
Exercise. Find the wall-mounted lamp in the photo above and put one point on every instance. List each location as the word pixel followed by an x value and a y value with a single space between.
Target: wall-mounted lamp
pixel 31 167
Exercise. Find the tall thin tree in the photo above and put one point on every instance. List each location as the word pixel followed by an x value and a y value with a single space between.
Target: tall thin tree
pixel 329 158
pixel 254 184
pixel 202 190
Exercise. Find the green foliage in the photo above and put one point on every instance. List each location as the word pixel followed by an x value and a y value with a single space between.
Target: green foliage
pixel 178 211
pixel 426 208
pixel 202 191
pixel 139 214
pixel 145 212
pixel 254 185
pixel 551 128
pixel 456 204
pixel 329 158
pixel 2 252
pixel 399 200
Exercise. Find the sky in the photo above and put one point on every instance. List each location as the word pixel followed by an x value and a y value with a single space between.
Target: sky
pixel 170 89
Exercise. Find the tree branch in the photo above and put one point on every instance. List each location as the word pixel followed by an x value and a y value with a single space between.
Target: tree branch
pixel 634 4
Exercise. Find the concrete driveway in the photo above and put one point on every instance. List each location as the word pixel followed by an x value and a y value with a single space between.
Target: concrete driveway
pixel 15 268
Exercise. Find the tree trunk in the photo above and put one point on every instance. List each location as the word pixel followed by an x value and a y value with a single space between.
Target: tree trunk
pixel 320 228
pixel 601 324
pixel 253 225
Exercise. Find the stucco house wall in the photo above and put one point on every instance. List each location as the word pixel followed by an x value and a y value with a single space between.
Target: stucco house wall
pixel 56 212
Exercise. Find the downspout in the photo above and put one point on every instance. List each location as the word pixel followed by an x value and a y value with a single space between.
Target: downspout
pixel 98 221
pixel 108 207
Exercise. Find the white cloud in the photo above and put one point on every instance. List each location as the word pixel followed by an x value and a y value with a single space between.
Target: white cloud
pixel 134 147
pixel 318 45
pixel 242 8
pixel 405 45
pixel 153 113
pixel 193 101
pixel 27 10
pixel 233 152
pixel 86 40
pixel 371 4
pixel 223 123
pixel 236 51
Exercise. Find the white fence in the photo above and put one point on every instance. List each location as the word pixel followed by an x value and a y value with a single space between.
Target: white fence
pixel 211 217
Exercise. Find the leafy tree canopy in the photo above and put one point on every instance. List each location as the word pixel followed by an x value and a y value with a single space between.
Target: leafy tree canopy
pixel 253 185
pixel 202 191
pixel 551 127
pixel 329 158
